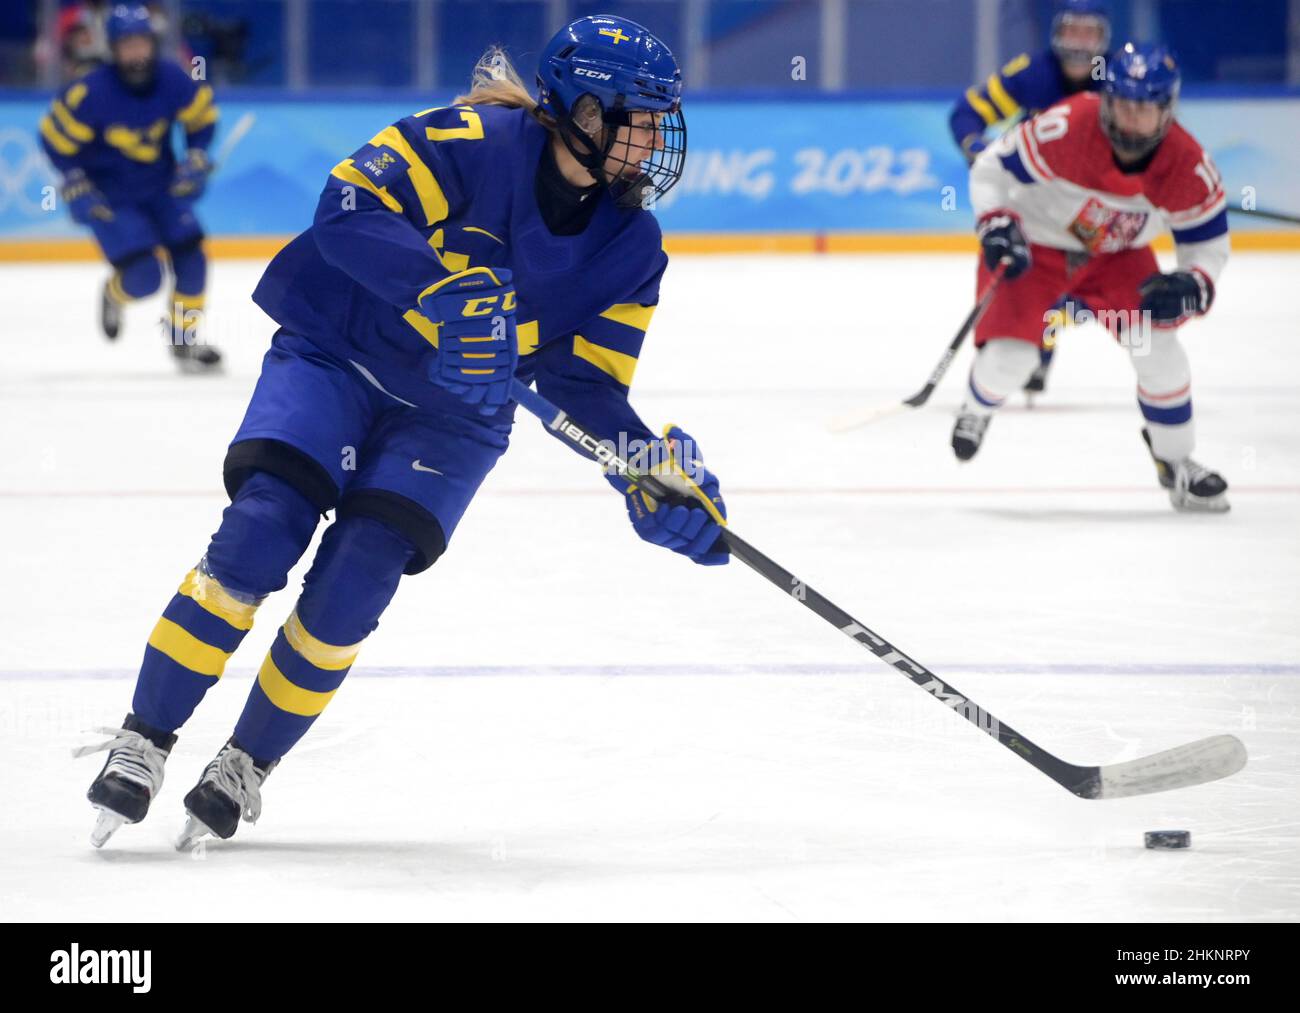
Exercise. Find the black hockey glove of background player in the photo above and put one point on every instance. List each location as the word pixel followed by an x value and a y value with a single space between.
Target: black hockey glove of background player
pixel 1173 299
pixel 1000 236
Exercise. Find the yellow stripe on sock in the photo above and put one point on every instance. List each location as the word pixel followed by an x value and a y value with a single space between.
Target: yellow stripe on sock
pixel 189 302
pixel 212 597
pixel 187 650
pixel 280 691
pixel 327 656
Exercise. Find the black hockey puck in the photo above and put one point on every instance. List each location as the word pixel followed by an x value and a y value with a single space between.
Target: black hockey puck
pixel 1168 838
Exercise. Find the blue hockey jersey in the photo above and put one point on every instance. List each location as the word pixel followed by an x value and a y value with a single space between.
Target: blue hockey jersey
pixel 121 138
pixel 1024 86
pixel 450 188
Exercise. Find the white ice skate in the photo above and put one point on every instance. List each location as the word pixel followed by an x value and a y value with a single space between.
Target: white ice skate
pixel 131 778
pixel 968 434
pixel 231 787
pixel 1198 489
pixel 1193 488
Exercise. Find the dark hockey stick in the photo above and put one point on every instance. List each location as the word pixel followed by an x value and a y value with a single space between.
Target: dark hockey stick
pixel 860 417
pixel 1193 763
pixel 1272 216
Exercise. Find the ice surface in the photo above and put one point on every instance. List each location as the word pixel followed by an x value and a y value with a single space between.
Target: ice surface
pixel 558 721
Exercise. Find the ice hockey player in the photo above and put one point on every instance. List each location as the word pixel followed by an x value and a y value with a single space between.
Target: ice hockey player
pixel 1026 86
pixel 460 247
pixel 110 136
pixel 1072 200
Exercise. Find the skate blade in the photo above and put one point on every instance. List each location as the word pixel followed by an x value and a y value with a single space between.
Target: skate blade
pixel 1212 505
pixel 105 827
pixel 194 831
pixel 188 367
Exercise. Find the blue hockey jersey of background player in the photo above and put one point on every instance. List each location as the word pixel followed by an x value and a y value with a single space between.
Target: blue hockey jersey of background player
pixel 450 188
pixel 122 138
pixel 1024 86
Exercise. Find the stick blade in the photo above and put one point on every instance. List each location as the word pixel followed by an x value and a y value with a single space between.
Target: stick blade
pixel 1181 767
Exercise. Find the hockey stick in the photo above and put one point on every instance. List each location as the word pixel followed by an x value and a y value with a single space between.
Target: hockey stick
pixel 1273 216
pixel 233 136
pixel 861 417
pixel 1180 767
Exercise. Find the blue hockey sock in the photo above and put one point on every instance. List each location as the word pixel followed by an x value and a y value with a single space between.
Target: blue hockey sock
pixel 351 582
pixel 263 533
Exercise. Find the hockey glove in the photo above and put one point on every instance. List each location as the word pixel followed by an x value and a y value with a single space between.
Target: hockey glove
pixel 85 203
pixel 689 523
pixel 477 349
pixel 192 175
pixel 1173 299
pixel 1000 236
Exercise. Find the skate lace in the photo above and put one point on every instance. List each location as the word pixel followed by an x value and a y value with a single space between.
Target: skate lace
pixel 971 426
pixel 237 777
pixel 1195 472
pixel 131 756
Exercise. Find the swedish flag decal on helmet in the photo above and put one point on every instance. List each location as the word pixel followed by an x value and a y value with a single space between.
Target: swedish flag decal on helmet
pixel 614 68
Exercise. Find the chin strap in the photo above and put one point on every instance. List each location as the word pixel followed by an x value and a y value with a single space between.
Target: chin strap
pixel 626 193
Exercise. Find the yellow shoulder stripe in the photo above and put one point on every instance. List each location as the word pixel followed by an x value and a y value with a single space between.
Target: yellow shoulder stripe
pixel 619 365
pixel 72 126
pixel 1007 106
pixel 57 141
pixel 197 107
pixel 432 200
pixel 1016 66
pixel 205 119
pixel 75 94
pixel 349 173
pixel 980 106
pixel 630 314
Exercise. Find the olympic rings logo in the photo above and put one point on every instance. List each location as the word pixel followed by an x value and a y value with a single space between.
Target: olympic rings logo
pixel 25 172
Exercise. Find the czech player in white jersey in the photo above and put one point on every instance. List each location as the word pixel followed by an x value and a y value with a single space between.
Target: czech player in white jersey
pixel 1068 204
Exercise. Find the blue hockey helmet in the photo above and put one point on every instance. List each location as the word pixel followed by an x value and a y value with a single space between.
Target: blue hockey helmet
pixel 1094 13
pixel 593 77
pixel 124 22
pixel 1140 72
pixel 128 19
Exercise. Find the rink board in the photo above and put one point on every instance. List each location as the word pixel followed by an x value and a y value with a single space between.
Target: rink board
pixel 786 176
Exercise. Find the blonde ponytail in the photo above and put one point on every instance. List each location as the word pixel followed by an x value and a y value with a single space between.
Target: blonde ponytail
pixel 496 82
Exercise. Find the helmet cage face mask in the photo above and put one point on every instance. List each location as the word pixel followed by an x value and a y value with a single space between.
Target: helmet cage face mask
pixel 1074 54
pixel 633 183
pixel 1135 146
